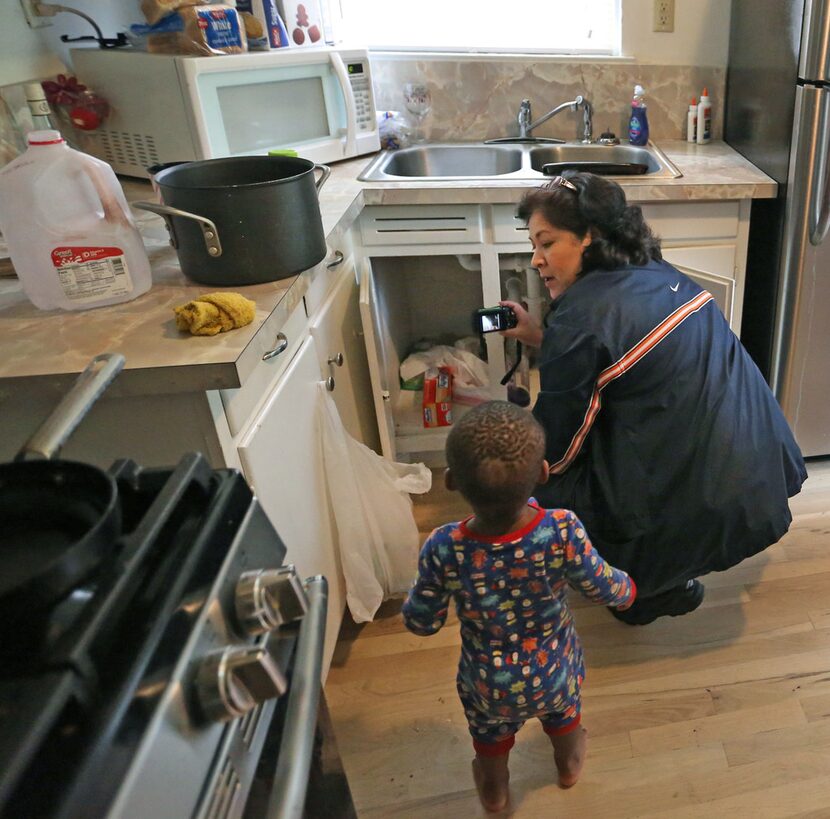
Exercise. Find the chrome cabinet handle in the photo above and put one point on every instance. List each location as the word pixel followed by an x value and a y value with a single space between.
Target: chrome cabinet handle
pixel 282 343
pixel 333 361
pixel 338 259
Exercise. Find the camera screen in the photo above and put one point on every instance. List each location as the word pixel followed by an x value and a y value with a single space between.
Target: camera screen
pixel 490 323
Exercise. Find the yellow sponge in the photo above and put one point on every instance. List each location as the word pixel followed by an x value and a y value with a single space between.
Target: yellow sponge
pixel 215 313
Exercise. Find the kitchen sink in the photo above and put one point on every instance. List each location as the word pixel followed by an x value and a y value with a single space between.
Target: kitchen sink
pixel 425 161
pixel 449 161
pixel 608 160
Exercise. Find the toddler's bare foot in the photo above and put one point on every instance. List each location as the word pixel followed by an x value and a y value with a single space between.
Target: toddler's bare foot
pixel 569 752
pixel 491 777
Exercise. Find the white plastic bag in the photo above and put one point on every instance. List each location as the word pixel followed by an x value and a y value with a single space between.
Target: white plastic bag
pixel 393 131
pixel 377 533
pixel 471 379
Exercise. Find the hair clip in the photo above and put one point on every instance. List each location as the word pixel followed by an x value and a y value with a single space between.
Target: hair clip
pixel 561 182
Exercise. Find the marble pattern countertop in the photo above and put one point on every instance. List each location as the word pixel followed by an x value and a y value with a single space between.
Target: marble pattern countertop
pixel 50 348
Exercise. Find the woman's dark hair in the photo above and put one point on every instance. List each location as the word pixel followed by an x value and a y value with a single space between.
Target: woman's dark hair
pixel 619 234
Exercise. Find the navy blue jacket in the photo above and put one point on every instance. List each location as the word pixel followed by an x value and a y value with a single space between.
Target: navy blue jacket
pixel 662 434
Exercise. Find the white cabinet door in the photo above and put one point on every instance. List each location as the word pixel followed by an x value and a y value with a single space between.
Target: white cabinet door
pixel 336 329
pixel 383 362
pixel 281 454
pixel 722 288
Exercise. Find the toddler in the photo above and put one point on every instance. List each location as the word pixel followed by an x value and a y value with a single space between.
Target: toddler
pixel 507 567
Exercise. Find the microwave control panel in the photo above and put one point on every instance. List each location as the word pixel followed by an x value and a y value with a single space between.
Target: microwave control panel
pixel 359 79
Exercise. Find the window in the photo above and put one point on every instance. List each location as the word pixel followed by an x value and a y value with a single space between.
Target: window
pixel 531 26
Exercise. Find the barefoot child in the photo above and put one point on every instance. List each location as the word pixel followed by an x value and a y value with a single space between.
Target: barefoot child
pixel 507 567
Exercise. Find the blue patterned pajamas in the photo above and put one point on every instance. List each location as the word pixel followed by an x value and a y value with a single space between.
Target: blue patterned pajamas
pixel 520 654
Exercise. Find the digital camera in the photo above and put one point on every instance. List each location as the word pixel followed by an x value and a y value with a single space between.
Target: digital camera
pixel 493 319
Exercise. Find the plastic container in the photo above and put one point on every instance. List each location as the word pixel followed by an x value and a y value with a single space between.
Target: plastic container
pixel 691 122
pixel 38 107
pixel 70 233
pixel 704 119
pixel 638 124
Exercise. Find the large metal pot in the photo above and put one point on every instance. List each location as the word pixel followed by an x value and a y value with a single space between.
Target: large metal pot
pixel 242 220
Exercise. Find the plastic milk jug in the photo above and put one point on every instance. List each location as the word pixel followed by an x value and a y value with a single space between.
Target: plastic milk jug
pixel 71 237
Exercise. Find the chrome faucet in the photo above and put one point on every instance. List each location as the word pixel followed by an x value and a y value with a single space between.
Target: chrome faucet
pixel 526 123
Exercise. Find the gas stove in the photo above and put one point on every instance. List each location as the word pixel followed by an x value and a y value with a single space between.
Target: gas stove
pixel 150 689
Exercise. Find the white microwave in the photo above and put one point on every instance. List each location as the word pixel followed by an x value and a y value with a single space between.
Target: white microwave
pixel 169 108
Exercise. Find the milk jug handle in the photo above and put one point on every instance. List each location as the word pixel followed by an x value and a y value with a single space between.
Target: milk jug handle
pixel 114 210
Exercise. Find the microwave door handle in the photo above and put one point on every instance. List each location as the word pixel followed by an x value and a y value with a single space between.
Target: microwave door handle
pixel 348 95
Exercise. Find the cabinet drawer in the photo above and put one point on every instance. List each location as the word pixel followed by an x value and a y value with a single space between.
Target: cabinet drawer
pixel 433 224
pixel 693 220
pixel 672 221
pixel 718 259
pixel 506 227
pixel 241 403
pixel 324 275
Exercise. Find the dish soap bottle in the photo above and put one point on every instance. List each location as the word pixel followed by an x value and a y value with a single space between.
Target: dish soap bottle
pixel 71 237
pixel 704 118
pixel 691 122
pixel 638 124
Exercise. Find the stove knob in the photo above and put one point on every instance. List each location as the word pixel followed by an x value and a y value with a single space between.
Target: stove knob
pixel 267 598
pixel 235 680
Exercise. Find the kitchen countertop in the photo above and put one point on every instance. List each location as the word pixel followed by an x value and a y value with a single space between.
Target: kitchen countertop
pixel 50 348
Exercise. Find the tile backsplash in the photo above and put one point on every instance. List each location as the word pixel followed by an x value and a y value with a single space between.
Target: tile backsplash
pixel 478 98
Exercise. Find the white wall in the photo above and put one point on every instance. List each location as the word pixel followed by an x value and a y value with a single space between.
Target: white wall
pixel 700 36
pixel 27 53
pixel 24 54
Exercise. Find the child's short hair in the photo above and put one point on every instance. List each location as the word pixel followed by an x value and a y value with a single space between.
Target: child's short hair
pixel 495 453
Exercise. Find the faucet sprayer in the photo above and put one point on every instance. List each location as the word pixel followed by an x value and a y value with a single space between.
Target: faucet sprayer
pixel 526 126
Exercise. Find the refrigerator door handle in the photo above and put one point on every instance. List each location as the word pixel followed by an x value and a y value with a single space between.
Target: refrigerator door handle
pixel 814 63
pixel 819 210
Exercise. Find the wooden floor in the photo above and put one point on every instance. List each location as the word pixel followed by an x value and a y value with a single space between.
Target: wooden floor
pixel 722 713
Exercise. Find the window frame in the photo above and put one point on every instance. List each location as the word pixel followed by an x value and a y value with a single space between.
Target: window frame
pixel 615 50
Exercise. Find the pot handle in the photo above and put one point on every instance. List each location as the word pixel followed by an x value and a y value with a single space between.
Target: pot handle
pixel 210 233
pixel 325 173
pixel 56 429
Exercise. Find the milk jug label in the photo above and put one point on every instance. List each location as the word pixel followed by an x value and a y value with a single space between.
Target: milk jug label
pixel 92 273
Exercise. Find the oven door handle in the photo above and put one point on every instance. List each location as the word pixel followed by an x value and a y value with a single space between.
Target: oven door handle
pixel 288 793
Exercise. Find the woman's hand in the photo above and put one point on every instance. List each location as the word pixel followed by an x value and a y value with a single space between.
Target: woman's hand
pixel 528 330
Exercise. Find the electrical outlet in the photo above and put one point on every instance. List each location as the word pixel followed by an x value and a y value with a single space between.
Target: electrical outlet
pixel 33 16
pixel 663 15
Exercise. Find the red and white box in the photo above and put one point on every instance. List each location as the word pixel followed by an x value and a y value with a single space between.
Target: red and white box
pixel 437 403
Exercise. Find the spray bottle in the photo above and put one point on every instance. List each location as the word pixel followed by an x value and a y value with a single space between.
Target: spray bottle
pixel 638 124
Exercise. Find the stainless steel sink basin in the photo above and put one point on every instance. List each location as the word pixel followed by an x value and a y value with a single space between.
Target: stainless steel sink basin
pixel 608 160
pixel 443 162
pixel 455 160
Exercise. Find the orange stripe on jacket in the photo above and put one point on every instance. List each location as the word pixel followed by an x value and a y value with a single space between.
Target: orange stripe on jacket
pixel 625 363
